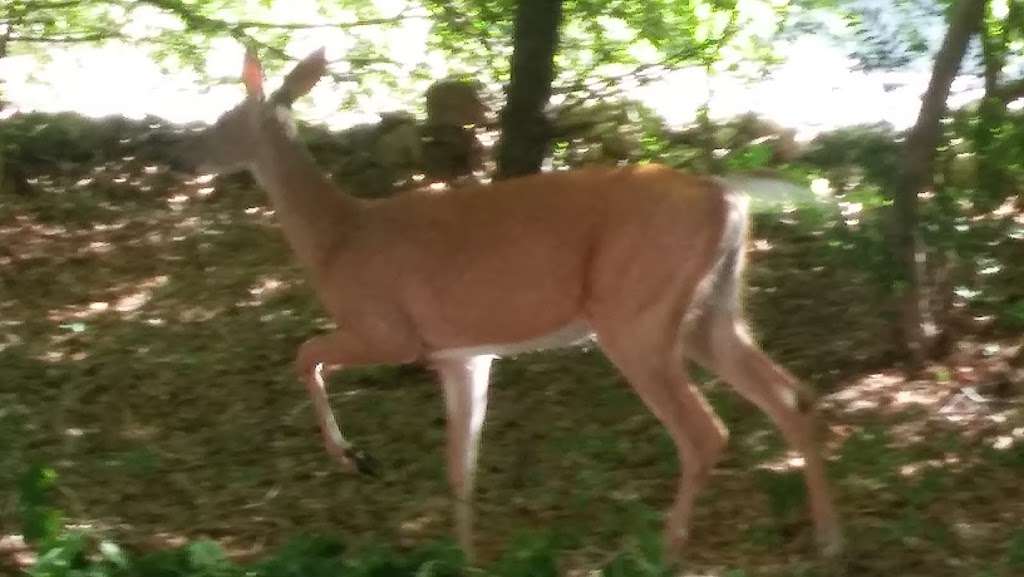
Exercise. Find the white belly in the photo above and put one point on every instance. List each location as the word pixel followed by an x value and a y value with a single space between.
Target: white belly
pixel 571 334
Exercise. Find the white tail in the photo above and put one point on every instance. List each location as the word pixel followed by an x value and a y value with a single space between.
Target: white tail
pixel 646 259
pixel 769 193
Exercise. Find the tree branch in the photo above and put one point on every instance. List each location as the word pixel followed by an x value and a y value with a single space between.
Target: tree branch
pixel 96 37
pixel 917 175
pixel 401 16
pixel 238 30
pixel 461 23
pixel 606 86
pixel 48 5
pixel 1011 91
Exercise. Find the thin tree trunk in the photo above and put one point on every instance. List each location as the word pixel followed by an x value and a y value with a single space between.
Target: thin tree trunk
pixel 1011 90
pixel 992 177
pixel 13 18
pixel 917 175
pixel 525 133
pixel 709 163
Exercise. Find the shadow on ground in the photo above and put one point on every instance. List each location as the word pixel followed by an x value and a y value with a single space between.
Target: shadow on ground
pixel 147 327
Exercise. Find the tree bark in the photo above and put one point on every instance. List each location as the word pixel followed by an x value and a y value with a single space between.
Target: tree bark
pixel 917 176
pixel 525 133
pixel 992 176
pixel 709 163
pixel 1011 91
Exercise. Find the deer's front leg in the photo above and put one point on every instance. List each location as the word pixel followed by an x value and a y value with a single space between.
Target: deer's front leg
pixel 465 392
pixel 345 349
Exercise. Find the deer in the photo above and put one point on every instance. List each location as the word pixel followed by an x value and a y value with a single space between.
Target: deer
pixel 644 260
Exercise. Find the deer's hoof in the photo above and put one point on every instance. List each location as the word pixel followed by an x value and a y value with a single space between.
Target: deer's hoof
pixel 365 463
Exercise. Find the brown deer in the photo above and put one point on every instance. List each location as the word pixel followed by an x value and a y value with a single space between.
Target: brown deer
pixel 644 259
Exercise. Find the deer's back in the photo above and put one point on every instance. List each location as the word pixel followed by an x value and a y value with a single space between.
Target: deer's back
pixel 523 257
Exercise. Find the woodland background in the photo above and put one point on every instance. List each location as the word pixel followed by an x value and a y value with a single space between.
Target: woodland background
pixel 149 419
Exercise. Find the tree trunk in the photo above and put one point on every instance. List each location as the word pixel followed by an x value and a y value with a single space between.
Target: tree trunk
pixel 709 164
pixel 917 176
pixel 12 19
pixel 992 176
pixel 525 133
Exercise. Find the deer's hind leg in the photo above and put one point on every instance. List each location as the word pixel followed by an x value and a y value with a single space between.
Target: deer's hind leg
pixel 721 342
pixel 647 350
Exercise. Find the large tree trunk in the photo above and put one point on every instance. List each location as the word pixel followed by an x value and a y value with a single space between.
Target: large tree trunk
pixel 917 175
pixel 525 134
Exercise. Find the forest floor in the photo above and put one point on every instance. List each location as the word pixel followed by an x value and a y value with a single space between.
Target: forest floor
pixel 147 332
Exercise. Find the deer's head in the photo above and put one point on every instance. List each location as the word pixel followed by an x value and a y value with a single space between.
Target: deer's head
pixel 232 143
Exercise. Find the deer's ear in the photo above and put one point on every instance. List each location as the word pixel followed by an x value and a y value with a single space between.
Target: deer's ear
pixel 252 75
pixel 302 78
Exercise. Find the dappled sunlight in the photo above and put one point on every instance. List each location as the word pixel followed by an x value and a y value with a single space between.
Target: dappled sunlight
pixel 125 301
pixel 264 290
pixel 8 330
pixel 869 393
pixel 14 548
pixel 1006 442
pixel 430 517
pixel 964 394
pixel 211 415
pixel 789 462
pixel 151 333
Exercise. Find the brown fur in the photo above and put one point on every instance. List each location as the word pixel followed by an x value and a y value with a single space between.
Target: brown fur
pixel 647 258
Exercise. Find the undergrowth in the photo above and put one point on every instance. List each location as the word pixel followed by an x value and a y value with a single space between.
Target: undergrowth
pixel 69 551
pixel 147 331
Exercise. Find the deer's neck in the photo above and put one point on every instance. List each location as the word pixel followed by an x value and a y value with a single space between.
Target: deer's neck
pixel 312 211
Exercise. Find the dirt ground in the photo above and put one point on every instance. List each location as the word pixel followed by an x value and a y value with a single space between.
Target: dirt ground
pixel 148 326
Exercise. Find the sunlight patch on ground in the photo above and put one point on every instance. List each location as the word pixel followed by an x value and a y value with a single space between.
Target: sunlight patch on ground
pixel 125 299
pixel 971 392
pixel 14 548
pixel 790 461
pixel 865 394
pixel 265 289
pixel 255 403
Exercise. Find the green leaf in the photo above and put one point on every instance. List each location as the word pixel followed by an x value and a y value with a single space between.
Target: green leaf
pixel 531 556
pixel 305 556
pixel 63 556
pixel 207 555
pixel 1015 551
pixel 40 521
pixel 113 554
